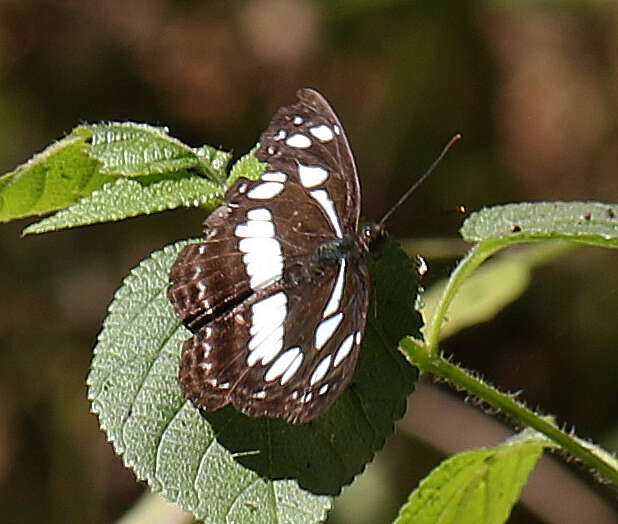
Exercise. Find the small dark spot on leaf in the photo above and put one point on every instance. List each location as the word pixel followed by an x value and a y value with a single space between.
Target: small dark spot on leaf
pixel 515 228
pixel 252 506
pixel 610 213
pixel 587 216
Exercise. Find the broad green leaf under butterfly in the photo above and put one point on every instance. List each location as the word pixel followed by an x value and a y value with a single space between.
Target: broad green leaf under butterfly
pixel 239 474
pixel 133 388
pixel 592 223
pixel 475 487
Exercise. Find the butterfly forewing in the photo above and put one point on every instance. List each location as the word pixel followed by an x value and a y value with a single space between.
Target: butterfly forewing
pixel 277 293
pixel 307 142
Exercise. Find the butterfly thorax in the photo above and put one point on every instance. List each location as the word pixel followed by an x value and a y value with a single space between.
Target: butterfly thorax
pixel 324 260
pixel 333 250
pixel 327 256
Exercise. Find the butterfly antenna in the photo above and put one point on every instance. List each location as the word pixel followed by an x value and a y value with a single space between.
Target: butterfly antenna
pixel 405 196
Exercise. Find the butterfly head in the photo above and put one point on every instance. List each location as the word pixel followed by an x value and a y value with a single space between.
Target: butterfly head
pixel 371 235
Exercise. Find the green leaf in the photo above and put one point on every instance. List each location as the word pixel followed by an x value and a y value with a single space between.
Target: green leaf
pixel 165 440
pixel 247 166
pixel 592 223
pixel 128 197
pixel 475 487
pixel 51 180
pixel 131 149
pixel 165 174
pixel 223 465
pixel 142 195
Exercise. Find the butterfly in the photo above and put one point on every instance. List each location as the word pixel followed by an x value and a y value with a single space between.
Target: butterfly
pixel 277 294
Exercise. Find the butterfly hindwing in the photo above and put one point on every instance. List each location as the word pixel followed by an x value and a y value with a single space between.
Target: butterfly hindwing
pixel 267 357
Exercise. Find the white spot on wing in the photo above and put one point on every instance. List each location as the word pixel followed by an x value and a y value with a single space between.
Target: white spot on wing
pixel 323 389
pixel 329 208
pixel 266 190
pixel 322 133
pixel 311 176
pixel 344 349
pixel 307 398
pixel 261 275
pixel 336 129
pixel 259 213
pixel 359 337
pixel 289 373
pixel 201 287
pixel 263 258
pixel 266 346
pixel 299 141
pixel 251 245
pixel 320 370
pixel 325 330
pixel 255 229
pixel 335 298
pixel 267 318
pixel 281 364
pixel 274 176
pixel 298 120
pixel 280 135
pixel 268 306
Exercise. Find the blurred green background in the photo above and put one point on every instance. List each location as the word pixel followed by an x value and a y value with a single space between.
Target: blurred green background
pixel 533 88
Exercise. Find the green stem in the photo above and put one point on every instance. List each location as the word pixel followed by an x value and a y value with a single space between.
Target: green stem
pixel 474 258
pixel 420 356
